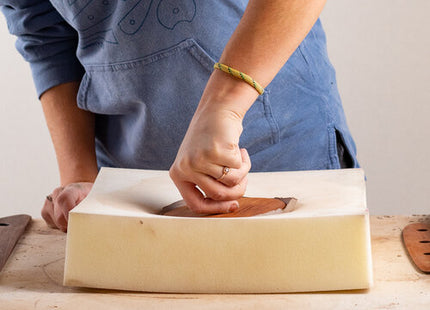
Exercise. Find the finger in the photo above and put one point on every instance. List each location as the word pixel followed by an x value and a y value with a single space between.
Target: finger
pixel 85 190
pixel 218 191
pixel 211 159
pixel 67 200
pixel 59 219
pixel 246 160
pixel 228 155
pixel 235 176
pixel 48 212
pixel 56 192
pixel 212 188
pixel 48 208
pixel 199 204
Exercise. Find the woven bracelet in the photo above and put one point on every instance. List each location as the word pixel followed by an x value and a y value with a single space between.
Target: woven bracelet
pixel 240 75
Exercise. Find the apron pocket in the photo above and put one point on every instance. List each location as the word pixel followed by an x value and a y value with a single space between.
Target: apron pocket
pixel 144 106
pixel 123 87
pixel 260 130
pixel 340 155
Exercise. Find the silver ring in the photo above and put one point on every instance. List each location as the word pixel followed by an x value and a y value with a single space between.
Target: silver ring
pixel 225 170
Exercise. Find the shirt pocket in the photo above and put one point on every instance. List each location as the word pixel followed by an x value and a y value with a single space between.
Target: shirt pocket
pixel 148 103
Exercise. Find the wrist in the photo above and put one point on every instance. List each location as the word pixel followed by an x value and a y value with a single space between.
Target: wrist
pixel 224 91
pixel 77 178
pixel 78 172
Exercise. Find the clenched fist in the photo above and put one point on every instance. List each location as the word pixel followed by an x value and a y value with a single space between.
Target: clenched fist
pixel 56 209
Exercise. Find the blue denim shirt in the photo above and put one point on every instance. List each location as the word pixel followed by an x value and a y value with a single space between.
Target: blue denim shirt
pixel 144 65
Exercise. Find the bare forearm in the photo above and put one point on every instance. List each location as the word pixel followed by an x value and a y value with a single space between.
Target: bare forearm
pixel 268 33
pixel 72 133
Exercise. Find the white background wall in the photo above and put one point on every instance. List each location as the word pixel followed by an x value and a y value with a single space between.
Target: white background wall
pixel 381 50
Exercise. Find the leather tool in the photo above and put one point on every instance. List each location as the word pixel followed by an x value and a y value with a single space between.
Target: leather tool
pixel 11 229
pixel 416 238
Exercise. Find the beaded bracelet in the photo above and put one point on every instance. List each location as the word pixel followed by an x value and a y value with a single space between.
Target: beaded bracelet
pixel 240 75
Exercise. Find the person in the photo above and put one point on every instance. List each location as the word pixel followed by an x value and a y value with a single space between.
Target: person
pixel 132 84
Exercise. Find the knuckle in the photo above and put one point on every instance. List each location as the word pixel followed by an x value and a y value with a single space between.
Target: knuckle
pixel 234 180
pixel 67 200
pixel 235 162
pixel 57 191
pixel 241 187
pixel 197 207
pixel 229 194
pixel 175 170
pixel 215 155
pixel 183 165
pixel 231 146
pixel 241 192
pixel 244 182
pixel 61 199
pixel 172 172
pixel 237 192
pixel 216 195
pixel 247 165
pixel 207 152
pixel 58 218
pixel 58 214
pixel 236 195
pixel 197 160
pixel 87 187
pixel 45 214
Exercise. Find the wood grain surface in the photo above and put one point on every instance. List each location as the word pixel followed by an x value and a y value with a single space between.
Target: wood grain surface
pixel 248 206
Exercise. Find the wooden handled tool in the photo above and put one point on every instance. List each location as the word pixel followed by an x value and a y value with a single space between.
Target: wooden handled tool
pixel 11 229
pixel 247 207
pixel 416 238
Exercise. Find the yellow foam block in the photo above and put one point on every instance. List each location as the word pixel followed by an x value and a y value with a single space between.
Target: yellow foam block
pixel 117 241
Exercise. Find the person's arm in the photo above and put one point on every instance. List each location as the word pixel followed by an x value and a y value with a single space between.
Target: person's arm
pixel 72 133
pixel 267 35
pixel 49 44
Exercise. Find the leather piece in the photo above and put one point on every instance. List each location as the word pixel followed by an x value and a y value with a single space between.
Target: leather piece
pixel 247 207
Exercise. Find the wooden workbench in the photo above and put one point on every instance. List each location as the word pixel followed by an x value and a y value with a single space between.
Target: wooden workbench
pixel 32 279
